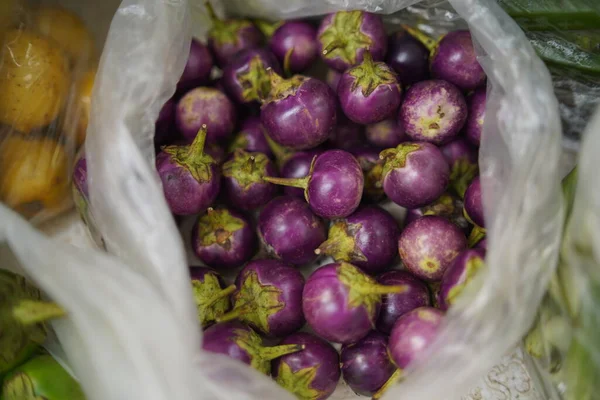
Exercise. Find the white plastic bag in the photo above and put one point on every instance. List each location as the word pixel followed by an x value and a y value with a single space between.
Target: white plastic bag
pixel 131 331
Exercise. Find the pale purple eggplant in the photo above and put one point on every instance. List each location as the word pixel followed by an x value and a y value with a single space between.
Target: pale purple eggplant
pixel 385 134
pixel 458 275
pixel 197 68
pixel 463 161
pixel 251 138
pixel 295 45
pixel 474 125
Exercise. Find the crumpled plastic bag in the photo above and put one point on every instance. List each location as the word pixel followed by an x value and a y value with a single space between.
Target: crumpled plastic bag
pixel 132 330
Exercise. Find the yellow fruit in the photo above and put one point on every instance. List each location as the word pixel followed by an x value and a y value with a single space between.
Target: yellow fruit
pixel 34 175
pixel 34 81
pixel 83 104
pixel 67 29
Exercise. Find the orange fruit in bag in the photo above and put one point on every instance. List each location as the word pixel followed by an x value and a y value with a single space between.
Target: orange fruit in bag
pixel 34 80
pixel 83 104
pixel 34 174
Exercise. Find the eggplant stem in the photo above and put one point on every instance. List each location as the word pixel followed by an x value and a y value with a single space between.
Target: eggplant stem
pixel 335 44
pixel 384 289
pixel 286 62
pixel 235 313
pixel 477 233
pixel 271 353
pixel 30 312
pixel 429 42
pixel 301 183
pixel 197 146
pixel 221 294
pixel 396 376
pixel 211 12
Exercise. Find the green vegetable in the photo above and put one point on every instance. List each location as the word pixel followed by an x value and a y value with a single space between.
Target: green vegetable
pixel 553 14
pixel 557 49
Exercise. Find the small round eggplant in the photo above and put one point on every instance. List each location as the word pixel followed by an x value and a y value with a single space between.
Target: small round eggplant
pixel 333 79
pixel 334 186
pixel 447 206
pixel 428 246
pixel 228 37
pixel 298 166
pixel 408 57
pixel 462 158
pixel 474 126
pixel 385 134
pixel 458 275
pixel 295 45
pixel 290 231
pixel 366 365
pixel 206 106
pixel 251 138
pixel 482 244
pixel 369 92
pixel 414 174
pixel 197 68
pixel 433 111
pixel 224 239
pixel 347 134
pixel 341 303
pixel 345 36
pixel 395 305
pixel 190 178
pixel 244 183
pixel 210 295
pixel 268 298
pixel 312 373
pixel 454 60
pixel 372 167
pixel 245 77
pixel 368 238
pixel 242 343
pixel 300 112
pixel 164 131
pixel 473 211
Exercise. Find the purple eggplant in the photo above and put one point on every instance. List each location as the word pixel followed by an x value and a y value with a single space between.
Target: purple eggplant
pixel 244 184
pixel 447 206
pixel 242 343
pixel 462 158
pixel 295 45
pixel 482 244
pixel 369 92
pixel 228 37
pixel 414 174
pixel 164 129
pixel 290 231
pixel 372 167
pixel 297 166
pixel 210 295
pixel 245 77
pixel 433 111
pixel 312 373
pixel 224 239
pixel 268 298
pixel 251 138
pixel 366 365
pixel 345 36
pixel 333 79
pixel 454 60
pixel 206 106
pixel 197 68
pixel 190 177
pixel 395 305
pixel 300 112
pixel 458 275
pixel 368 239
pixel 385 134
pixel 428 245
pixel 474 125
pixel 341 303
pixel 473 211
pixel 408 57
pixel 334 186
pixel 346 135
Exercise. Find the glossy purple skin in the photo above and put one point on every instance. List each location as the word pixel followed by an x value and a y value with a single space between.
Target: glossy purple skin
pixel 382 103
pixel 455 61
pixel 298 166
pixel 290 282
pixel 408 57
pixel 239 248
pixel 299 36
pixel 474 125
pixel 204 105
pixel 80 177
pixel 456 275
pixel 253 133
pixel 428 246
pixel 184 194
pixel 325 302
pixel 482 244
pixel 433 103
pixel 423 178
pixel 333 79
pixel 220 339
pixel 385 134
pixel 302 120
pixel 366 365
pixel 412 334
pixel 368 158
pixel 253 197
pixel 347 134
pixel 394 305
pixel 239 66
pixel 474 203
pixel 372 26
pixel 198 67
pixel 336 185
pixel 290 230
pixel 247 37
pixel 376 236
pixel 317 354
pixel 457 149
pixel 164 129
pixel 212 149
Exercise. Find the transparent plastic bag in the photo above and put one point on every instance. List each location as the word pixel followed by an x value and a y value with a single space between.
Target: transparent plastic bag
pixel 132 330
